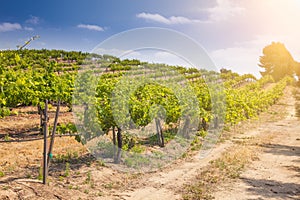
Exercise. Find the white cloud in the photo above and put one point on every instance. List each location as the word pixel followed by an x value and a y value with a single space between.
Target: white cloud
pixel 28 28
pixel 242 59
pixel 113 52
pixel 157 56
pixel 224 10
pixel 33 20
pixel 161 19
pixel 171 59
pixel 41 43
pixel 4 27
pixel 90 27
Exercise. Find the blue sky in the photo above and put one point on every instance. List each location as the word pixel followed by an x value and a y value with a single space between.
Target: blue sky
pixel 232 32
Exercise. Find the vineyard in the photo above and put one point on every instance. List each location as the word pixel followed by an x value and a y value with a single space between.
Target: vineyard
pixel 130 112
pixel 203 99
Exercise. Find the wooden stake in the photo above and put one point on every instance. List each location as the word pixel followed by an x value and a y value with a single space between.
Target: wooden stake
pixel 45 171
pixel 53 134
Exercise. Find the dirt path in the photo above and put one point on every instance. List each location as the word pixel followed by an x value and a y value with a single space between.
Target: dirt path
pixel 166 184
pixel 276 175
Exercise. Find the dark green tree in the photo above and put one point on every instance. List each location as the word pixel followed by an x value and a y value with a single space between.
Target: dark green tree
pixel 277 61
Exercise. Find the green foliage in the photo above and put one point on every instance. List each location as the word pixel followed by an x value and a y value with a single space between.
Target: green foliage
pixel 138 149
pixel 6 137
pixel 247 102
pixel 69 128
pixel 88 177
pixel 129 141
pixel 106 149
pixel 65 158
pixel 28 77
pixel 67 170
pixel 144 104
pixel 4 112
pixel 136 160
pixel 128 93
pixel 40 175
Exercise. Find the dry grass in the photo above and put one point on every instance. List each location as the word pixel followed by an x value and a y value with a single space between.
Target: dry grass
pixel 228 166
pixel 26 155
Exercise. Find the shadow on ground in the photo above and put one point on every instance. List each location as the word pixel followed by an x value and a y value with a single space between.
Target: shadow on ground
pixel 278 149
pixel 272 189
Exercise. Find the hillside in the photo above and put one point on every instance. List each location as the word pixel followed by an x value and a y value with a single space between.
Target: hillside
pixel 131 129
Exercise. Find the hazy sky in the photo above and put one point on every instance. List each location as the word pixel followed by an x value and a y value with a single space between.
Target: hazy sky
pixel 232 32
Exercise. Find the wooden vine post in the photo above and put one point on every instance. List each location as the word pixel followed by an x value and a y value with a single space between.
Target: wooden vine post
pixel 53 134
pixel 160 135
pixel 45 131
pixel 47 154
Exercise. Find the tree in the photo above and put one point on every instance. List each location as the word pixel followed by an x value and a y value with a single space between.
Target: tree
pixel 277 61
pixel 297 70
